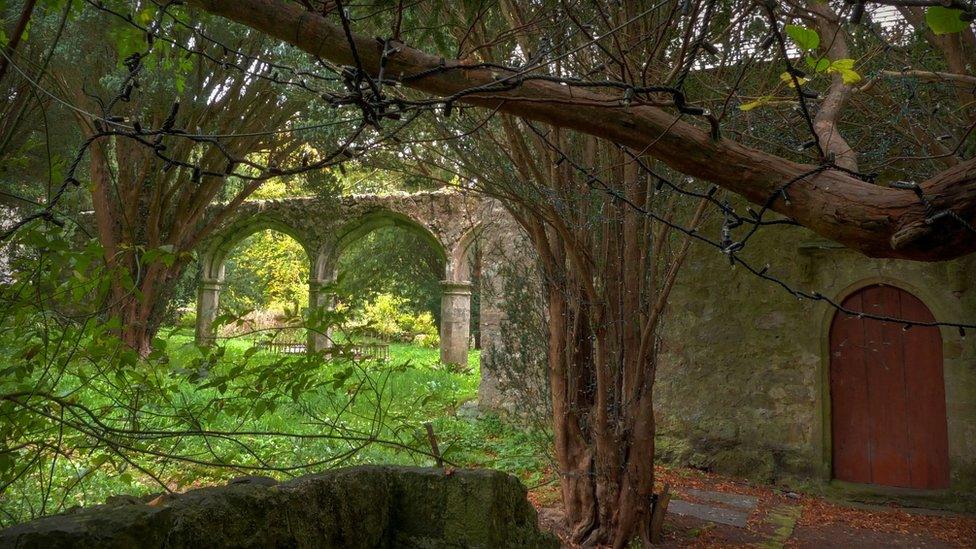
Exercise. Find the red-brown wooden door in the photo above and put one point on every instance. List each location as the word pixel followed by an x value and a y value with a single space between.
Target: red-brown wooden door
pixel 887 394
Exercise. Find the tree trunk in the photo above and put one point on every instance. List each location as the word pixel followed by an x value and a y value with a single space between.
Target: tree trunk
pixel 137 288
pixel 139 310
pixel 135 330
pixel 604 437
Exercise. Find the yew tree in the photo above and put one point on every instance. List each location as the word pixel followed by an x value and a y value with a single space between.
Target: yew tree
pixel 593 96
pixel 179 119
pixel 853 119
pixel 877 220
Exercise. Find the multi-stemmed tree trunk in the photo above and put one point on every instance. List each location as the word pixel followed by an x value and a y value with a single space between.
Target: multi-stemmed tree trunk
pixel 153 204
pixel 607 267
pixel 148 222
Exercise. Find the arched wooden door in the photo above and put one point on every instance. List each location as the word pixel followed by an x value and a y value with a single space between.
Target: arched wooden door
pixel 887 393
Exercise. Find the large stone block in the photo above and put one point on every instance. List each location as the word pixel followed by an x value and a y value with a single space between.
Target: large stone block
pixel 369 506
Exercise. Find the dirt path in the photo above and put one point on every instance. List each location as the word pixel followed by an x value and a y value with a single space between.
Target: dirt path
pixel 715 511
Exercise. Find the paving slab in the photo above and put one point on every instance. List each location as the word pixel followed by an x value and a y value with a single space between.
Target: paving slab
pixel 711 513
pixel 740 501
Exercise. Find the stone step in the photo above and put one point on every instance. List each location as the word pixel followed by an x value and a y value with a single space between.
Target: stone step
pixel 739 501
pixel 711 513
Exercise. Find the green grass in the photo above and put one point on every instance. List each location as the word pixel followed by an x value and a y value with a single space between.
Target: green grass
pixel 391 400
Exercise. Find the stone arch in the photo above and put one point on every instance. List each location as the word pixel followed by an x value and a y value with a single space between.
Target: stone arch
pixel 379 218
pixel 448 220
pixel 457 268
pixel 225 241
pixel 456 297
pixel 325 262
pixel 212 266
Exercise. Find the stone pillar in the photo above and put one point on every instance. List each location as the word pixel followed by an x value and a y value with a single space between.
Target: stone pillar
pixel 319 301
pixel 208 298
pixel 455 322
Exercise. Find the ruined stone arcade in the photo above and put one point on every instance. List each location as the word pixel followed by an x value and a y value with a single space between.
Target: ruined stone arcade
pixel 449 220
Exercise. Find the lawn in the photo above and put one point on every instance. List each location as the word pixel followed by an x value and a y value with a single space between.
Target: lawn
pixel 343 414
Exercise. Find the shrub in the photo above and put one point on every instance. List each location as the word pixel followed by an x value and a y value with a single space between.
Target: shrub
pixel 419 324
pixel 427 341
pixel 388 318
pixel 381 316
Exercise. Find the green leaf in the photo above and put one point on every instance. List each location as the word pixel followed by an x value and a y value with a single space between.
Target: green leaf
pixel 842 64
pixel 145 16
pixel 850 77
pixel 818 64
pixel 944 20
pixel 806 39
pixel 7 462
pixel 845 67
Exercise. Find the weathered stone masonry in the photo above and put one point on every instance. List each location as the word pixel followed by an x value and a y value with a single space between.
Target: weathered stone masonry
pixel 357 507
pixel 744 383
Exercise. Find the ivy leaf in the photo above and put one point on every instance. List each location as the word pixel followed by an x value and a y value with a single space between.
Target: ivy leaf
pixel 145 16
pixel 943 20
pixel 754 104
pixel 806 39
pixel 842 65
pixel 850 77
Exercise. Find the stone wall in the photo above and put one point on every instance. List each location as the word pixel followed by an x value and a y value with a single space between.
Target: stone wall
pixel 743 384
pixel 324 226
pixel 512 325
pixel 372 506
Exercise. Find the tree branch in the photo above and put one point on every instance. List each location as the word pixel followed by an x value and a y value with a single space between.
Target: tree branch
pixel 878 221
pixel 832 107
pixel 19 28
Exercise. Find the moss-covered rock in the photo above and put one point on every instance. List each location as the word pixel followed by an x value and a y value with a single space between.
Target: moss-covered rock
pixel 371 506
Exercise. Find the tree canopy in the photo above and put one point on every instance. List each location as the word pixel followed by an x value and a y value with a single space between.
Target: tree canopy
pixel 616 134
